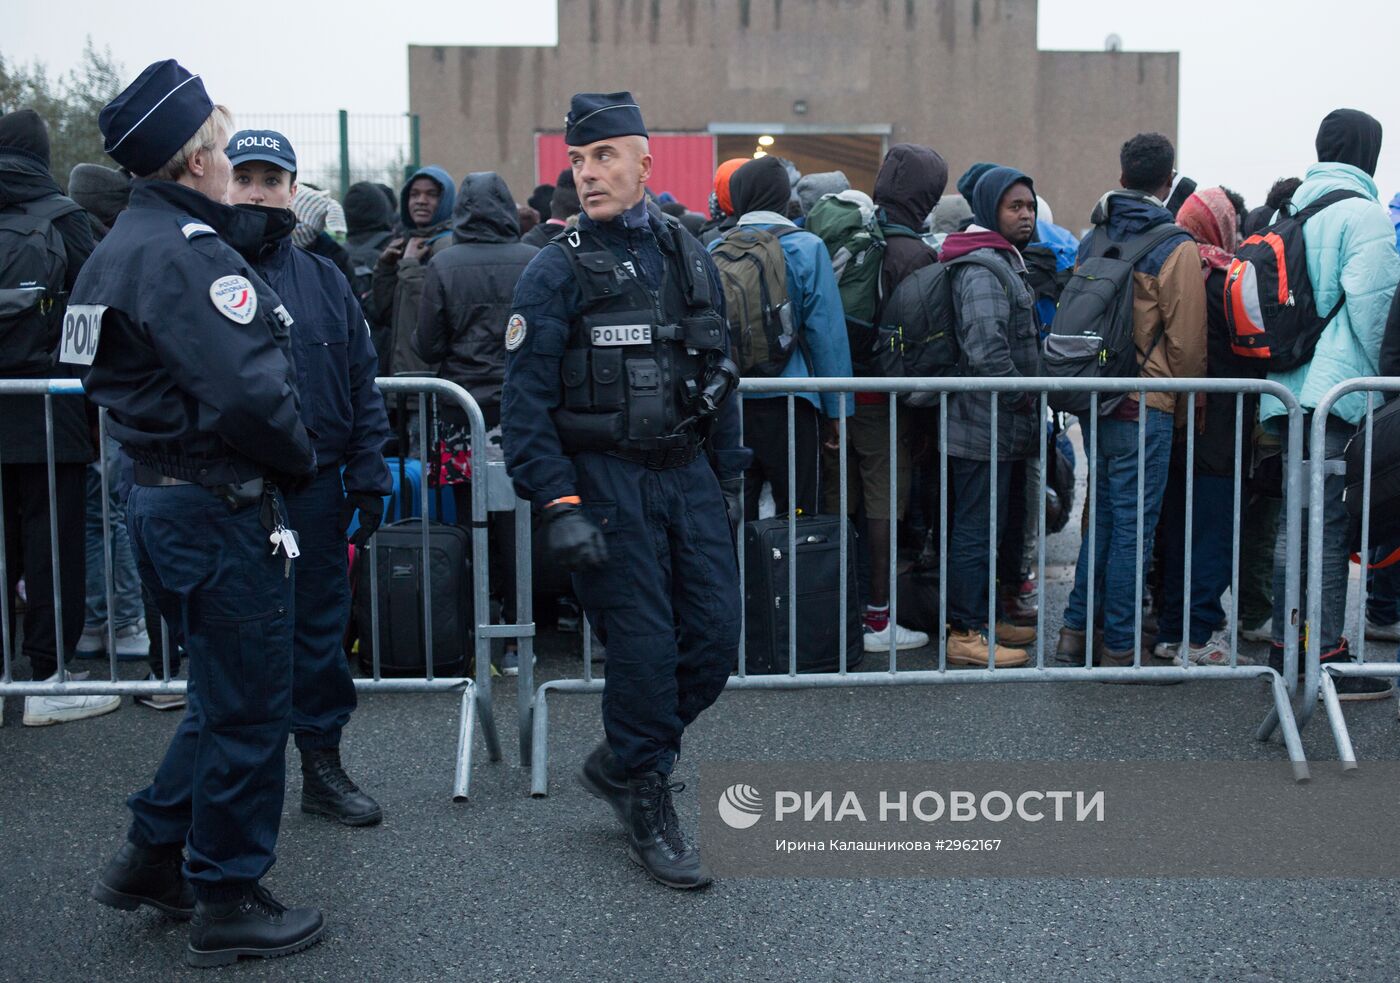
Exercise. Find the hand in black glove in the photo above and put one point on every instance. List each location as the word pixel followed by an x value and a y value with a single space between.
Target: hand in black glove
pixel 732 489
pixel 573 539
pixel 371 511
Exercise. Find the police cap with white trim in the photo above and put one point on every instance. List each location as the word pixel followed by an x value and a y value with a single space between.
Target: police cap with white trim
pixel 150 120
pixel 265 145
pixel 595 116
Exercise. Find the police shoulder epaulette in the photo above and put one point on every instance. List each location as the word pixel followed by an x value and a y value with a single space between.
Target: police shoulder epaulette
pixel 195 229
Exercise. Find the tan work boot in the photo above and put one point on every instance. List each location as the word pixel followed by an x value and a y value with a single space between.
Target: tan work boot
pixel 1016 636
pixel 969 648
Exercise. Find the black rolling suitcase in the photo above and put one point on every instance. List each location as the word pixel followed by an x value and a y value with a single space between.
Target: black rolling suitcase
pixel 819 598
pixel 399 558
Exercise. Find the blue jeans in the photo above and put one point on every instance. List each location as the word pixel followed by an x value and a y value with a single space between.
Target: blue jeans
pixel 1212 527
pixel 126 585
pixel 969 538
pixel 1336 552
pixel 1118 556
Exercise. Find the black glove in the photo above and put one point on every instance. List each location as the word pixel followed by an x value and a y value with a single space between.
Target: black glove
pixel 574 540
pixel 732 489
pixel 371 511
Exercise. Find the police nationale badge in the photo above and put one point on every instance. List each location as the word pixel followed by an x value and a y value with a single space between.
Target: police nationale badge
pixel 515 332
pixel 235 298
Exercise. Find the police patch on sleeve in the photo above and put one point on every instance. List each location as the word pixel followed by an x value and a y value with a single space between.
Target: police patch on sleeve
pixel 234 298
pixel 515 332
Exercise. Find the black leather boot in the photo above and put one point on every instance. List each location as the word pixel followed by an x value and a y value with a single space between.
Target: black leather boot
pixel 654 837
pixel 252 924
pixel 327 791
pixel 602 776
pixel 136 877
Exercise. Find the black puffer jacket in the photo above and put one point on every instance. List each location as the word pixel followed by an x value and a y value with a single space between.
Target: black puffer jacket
pixel 25 178
pixel 468 286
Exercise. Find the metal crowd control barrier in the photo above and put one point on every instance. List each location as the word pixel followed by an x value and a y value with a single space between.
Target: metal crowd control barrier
pixel 1281 716
pixel 1315 680
pixel 475 693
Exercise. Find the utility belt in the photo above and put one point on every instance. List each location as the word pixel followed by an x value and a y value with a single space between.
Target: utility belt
pixel 660 460
pixel 235 496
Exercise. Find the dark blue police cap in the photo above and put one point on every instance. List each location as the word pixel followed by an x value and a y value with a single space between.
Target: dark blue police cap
pixel 264 145
pixel 150 120
pixel 595 116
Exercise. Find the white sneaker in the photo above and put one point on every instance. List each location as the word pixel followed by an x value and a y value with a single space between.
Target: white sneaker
pixel 1383 633
pixel 40 711
pixel 1167 650
pixel 904 638
pixel 133 642
pixel 1262 632
pixel 1216 652
pixel 92 640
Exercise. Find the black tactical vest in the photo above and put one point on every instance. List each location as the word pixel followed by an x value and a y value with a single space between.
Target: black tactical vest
pixel 636 360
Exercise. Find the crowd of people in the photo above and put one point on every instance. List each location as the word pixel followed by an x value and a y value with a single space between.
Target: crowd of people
pixel 602 329
pixel 433 267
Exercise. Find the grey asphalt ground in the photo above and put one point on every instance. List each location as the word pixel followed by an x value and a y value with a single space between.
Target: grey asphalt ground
pixel 506 887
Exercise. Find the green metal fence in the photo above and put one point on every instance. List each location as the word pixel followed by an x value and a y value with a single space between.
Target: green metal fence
pixel 335 150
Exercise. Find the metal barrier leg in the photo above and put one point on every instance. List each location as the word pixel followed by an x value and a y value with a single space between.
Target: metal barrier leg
pixel 1283 708
pixel 1345 753
pixel 539 756
pixel 461 784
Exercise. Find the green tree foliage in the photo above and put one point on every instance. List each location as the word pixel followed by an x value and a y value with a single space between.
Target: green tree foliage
pixel 69 105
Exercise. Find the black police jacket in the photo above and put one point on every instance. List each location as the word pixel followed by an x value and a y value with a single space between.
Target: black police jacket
pixel 335 362
pixel 192 360
pixel 548 319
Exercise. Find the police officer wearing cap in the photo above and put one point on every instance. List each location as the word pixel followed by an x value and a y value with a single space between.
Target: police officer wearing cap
pixel 619 423
pixel 193 362
pixel 342 407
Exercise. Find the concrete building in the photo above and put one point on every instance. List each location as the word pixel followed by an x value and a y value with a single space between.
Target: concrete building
pixel 832 82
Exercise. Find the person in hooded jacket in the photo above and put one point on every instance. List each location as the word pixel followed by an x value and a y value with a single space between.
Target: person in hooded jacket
pixel 760 191
pixel 1351 255
pixel 369 220
pixel 1169 330
pixel 910 181
pixel 1211 219
pixel 27 346
pixel 467 291
pixel 999 335
pixel 342 408
pixel 425 214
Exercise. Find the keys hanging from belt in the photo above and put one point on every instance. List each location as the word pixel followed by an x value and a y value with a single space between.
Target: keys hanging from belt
pixel 283 540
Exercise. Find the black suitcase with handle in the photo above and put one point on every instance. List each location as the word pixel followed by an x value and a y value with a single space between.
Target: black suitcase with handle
pixel 819 600
pixel 398 563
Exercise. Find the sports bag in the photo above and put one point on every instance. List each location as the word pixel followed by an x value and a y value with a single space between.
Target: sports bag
pixel 753 272
pixel 1092 334
pixel 1270 308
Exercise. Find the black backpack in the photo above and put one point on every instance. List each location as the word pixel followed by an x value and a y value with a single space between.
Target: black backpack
pixel 33 267
pixel 1092 334
pixel 1269 303
pixel 917 336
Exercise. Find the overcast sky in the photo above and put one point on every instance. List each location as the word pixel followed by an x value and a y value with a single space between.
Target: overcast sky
pixel 1256 75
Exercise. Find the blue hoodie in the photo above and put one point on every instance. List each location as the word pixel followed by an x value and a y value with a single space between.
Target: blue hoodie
pixel 443 215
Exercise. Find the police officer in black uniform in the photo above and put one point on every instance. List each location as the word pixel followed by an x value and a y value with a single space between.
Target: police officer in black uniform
pixel 344 410
pixel 619 422
pixel 192 362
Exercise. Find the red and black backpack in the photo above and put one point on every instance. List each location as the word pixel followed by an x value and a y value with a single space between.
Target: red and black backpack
pixel 1269 303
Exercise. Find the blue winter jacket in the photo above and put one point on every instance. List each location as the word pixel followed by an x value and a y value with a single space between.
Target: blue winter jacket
pixel 816 301
pixel 341 406
pixel 1351 249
